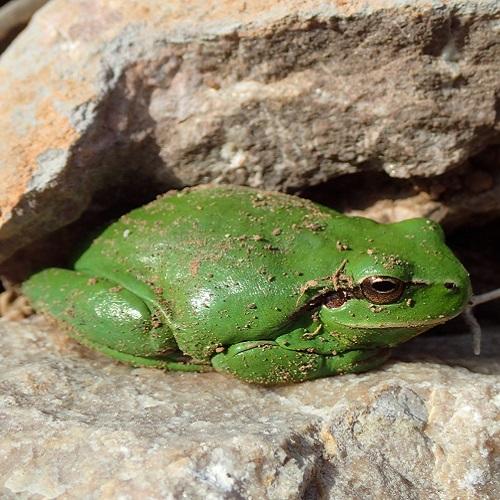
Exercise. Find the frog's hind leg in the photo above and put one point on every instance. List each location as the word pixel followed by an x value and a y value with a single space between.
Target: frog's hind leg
pixel 107 317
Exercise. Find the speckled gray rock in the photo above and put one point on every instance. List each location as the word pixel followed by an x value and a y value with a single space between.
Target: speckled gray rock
pixel 104 98
pixel 76 425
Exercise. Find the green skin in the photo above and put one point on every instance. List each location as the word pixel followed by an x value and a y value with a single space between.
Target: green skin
pixel 264 286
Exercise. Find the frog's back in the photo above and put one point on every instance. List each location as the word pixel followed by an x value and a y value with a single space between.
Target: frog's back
pixel 227 262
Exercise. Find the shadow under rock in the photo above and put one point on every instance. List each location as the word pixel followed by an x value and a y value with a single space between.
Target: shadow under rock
pixel 453 347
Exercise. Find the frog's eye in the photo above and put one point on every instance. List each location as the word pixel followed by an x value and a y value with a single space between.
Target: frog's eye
pixel 382 289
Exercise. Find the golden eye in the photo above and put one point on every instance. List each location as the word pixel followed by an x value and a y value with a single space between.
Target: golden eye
pixel 382 289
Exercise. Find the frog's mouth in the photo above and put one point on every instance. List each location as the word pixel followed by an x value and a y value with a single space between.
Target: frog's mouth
pixel 387 326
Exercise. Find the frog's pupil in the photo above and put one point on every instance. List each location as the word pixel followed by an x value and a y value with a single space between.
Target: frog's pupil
pixel 384 286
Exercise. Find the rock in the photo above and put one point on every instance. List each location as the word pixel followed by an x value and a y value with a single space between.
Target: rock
pixel 77 425
pixel 14 16
pixel 105 101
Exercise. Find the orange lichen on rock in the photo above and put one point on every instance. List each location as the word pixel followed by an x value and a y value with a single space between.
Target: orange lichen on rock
pixel 54 131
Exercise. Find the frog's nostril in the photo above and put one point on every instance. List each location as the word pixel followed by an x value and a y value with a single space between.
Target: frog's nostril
pixel 451 286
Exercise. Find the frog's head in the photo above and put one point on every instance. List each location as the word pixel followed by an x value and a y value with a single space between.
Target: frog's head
pixel 397 282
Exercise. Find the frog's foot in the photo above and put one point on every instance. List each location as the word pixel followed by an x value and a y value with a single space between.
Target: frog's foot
pixel 108 318
pixel 265 362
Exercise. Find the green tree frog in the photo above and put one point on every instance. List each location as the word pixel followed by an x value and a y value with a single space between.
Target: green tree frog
pixel 268 287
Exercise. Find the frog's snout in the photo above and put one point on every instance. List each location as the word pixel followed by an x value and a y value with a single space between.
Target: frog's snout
pixel 451 286
pixel 457 292
pixel 463 287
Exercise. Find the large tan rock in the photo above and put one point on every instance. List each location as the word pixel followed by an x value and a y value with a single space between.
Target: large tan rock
pixel 76 425
pixel 105 99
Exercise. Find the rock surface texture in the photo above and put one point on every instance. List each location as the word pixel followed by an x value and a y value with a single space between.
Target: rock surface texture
pixel 76 425
pixel 102 99
pixel 14 15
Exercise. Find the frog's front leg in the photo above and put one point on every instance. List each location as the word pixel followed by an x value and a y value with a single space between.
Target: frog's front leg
pixel 266 362
pixel 108 318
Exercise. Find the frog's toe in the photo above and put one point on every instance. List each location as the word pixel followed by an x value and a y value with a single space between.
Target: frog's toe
pixel 359 361
pixel 265 362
